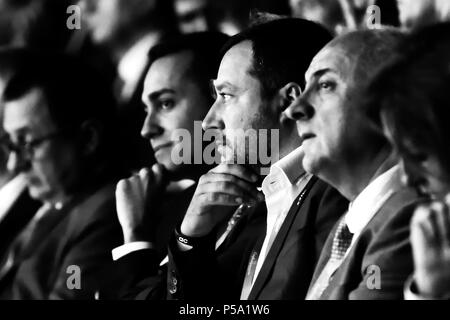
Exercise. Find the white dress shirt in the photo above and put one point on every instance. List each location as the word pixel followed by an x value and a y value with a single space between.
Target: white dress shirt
pixel 281 187
pixel 361 210
pixel 10 192
pixel 364 207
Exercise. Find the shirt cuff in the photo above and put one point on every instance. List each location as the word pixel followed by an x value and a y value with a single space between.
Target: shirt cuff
pixel 128 248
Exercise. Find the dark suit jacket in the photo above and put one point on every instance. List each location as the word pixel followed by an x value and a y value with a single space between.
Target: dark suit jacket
pixel 83 235
pixel 202 273
pixel 17 217
pixel 383 249
pixel 208 274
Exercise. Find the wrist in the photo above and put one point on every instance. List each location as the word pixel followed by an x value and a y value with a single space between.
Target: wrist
pixel 135 235
pixel 188 231
pixel 194 241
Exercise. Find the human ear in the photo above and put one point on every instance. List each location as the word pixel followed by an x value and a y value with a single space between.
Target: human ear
pixel 288 94
pixel 90 137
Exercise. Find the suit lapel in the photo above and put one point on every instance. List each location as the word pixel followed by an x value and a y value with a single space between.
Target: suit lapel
pixel 29 245
pixel 279 241
pixel 43 229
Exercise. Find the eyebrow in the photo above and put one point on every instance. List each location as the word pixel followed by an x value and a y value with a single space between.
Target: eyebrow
pixel 156 94
pixel 222 85
pixel 321 72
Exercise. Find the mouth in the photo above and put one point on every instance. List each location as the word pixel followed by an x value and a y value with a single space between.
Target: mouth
pixel 306 136
pixel 162 146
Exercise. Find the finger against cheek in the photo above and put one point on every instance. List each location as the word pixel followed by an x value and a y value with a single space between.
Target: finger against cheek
pixel 144 178
pixel 421 213
pixel 421 221
pixel 122 186
pixel 135 184
pixel 158 173
pixel 447 199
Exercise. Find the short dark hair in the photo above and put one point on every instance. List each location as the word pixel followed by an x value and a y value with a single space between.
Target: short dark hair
pixel 205 48
pixel 74 91
pixel 410 97
pixel 282 50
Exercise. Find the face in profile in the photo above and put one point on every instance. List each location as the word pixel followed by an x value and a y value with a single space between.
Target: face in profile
pixel 422 168
pixel 327 116
pixel 174 100
pixel 51 161
pixel 240 108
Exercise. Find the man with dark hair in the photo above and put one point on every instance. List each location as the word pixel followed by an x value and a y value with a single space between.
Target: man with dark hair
pixel 176 95
pixel 258 78
pixel 16 205
pixel 127 30
pixel 367 255
pixel 59 121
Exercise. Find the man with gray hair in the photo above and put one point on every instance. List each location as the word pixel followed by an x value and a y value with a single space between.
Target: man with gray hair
pixel 367 254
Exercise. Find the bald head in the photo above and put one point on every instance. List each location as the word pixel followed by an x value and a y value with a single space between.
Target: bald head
pixel 367 50
pixel 341 147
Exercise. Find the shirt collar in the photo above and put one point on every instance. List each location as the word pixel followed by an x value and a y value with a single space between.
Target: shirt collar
pixel 286 171
pixel 368 202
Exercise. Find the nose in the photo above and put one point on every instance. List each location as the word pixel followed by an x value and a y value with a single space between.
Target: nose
pixel 213 119
pixel 151 128
pixel 300 109
pixel 17 163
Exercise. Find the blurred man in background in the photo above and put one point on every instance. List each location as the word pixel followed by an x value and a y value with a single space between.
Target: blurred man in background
pixel 127 29
pixel 16 205
pixel 418 13
pixel 60 136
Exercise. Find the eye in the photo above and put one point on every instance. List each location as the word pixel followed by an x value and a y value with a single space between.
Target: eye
pixel 327 85
pixel 166 104
pixel 225 96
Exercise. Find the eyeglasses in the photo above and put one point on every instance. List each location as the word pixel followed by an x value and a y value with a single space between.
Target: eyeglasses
pixel 26 149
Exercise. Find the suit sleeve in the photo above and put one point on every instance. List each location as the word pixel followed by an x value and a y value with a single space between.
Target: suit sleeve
pixel 87 264
pixel 141 277
pixel 190 272
pixel 387 262
pixel 204 273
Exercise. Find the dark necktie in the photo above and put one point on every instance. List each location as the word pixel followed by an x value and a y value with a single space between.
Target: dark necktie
pixel 341 242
